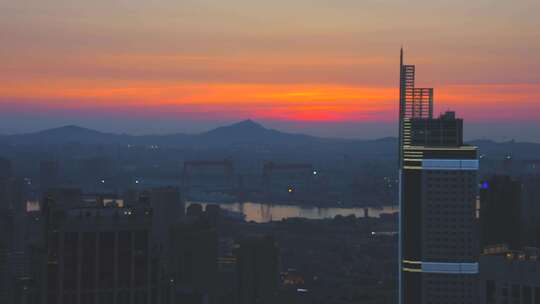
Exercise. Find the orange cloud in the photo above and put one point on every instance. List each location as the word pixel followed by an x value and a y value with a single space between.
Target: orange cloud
pixel 302 102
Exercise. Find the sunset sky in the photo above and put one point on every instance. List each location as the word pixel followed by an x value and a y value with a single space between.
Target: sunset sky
pixel 322 67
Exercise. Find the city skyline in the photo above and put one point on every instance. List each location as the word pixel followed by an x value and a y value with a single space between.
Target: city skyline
pixel 265 152
pixel 169 67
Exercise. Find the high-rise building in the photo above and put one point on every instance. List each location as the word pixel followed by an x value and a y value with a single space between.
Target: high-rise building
pixel 167 208
pixel 101 250
pixel 193 270
pixel 97 254
pixel 510 276
pixel 438 195
pixel 13 202
pixel 500 212
pixel 16 272
pixel 4 248
pixel 257 260
pixel 14 241
pixel 530 228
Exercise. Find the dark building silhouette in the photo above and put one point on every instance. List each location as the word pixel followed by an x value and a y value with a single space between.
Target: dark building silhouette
pixel 49 174
pixel 213 214
pixel 195 210
pixel 500 211
pixel 15 255
pixel 64 198
pixel 97 254
pixel 447 130
pixel 12 197
pixel 99 250
pixel 193 269
pixel 6 170
pixel 510 276
pixel 530 231
pixel 438 188
pixel 25 290
pixel 96 251
pixel 167 207
pixel 257 260
pixel 4 248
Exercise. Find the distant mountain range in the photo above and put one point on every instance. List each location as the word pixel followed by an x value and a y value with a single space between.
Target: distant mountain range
pixel 248 133
pixel 244 132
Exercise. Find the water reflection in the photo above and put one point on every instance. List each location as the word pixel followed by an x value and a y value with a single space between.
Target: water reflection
pixel 263 213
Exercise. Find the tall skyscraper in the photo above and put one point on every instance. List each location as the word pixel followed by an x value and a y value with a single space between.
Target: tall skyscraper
pixel 500 216
pixel 438 192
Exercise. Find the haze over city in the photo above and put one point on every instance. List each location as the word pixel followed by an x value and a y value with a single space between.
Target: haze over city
pixel 325 68
pixel 269 152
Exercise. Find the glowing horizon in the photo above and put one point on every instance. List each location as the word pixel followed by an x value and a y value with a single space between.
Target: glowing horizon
pixel 210 61
pixel 301 102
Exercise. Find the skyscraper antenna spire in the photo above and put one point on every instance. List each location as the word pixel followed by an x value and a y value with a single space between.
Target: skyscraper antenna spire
pixel 401 56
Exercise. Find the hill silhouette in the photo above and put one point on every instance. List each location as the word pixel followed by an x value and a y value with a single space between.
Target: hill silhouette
pixel 250 134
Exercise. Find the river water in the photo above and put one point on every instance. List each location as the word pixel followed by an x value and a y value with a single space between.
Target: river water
pixel 263 213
